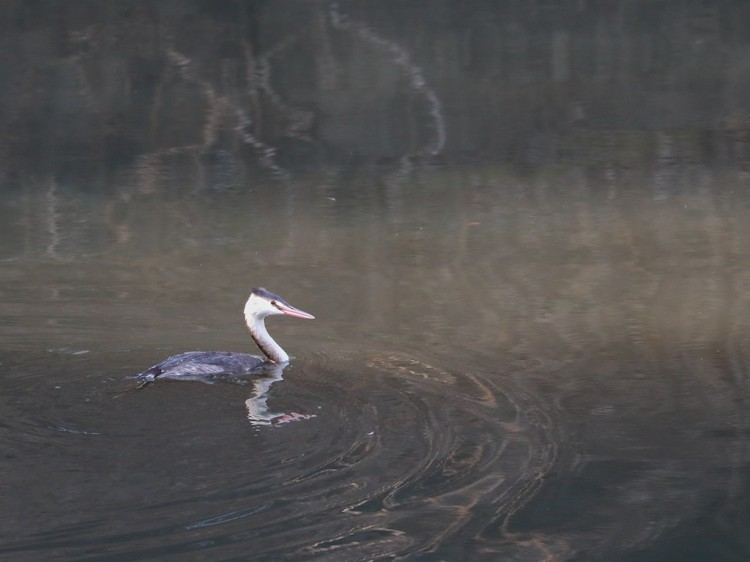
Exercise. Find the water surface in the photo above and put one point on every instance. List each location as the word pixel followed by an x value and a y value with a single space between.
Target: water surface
pixel 529 290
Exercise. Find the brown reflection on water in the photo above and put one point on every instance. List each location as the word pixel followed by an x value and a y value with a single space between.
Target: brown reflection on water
pixel 477 261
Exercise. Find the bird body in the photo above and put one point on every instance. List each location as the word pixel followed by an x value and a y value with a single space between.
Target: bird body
pixel 198 364
pixel 202 364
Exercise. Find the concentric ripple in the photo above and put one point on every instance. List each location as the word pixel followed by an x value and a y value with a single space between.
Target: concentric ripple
pixel 402 457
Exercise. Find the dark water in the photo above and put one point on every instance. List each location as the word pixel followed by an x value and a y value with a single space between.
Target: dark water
pixel 523 232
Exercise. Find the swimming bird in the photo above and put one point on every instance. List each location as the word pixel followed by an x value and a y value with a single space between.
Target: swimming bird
pixel 203 364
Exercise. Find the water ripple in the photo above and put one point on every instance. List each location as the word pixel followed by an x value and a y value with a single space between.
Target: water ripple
pixel 404 457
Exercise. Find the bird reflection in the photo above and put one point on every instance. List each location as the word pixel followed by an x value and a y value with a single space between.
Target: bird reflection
pixel 258 413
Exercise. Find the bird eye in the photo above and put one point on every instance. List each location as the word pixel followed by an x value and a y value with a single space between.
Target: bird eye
pixel 274 304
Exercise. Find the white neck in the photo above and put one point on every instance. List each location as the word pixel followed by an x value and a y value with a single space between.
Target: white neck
pixel 267 345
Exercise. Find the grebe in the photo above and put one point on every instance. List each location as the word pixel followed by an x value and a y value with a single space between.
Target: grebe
pixel 202 364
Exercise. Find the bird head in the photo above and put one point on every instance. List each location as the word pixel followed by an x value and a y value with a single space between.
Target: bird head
pixel 262 303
